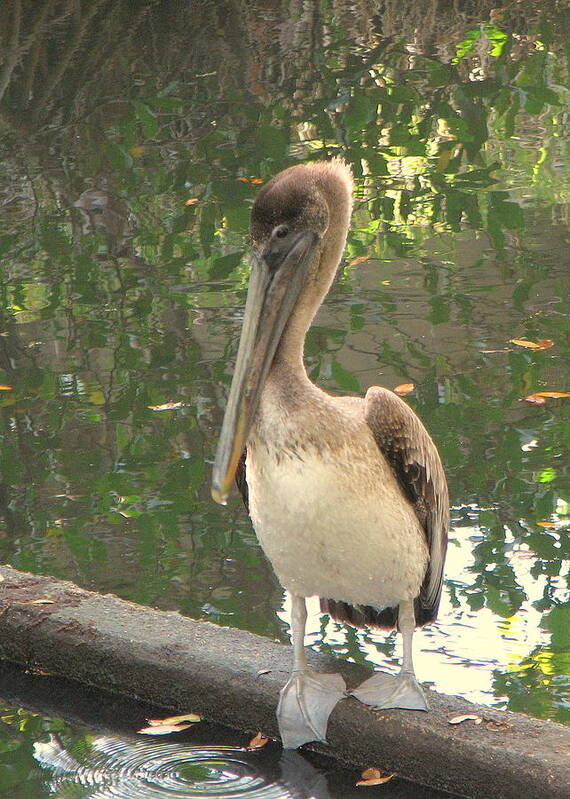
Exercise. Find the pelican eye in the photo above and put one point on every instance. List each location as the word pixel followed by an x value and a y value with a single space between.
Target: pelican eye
pixel 281 231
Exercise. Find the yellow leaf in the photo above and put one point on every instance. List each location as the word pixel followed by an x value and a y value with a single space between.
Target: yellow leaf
pixel 191 201
pixel 257 741
pixel 167 406
pixel 541 344
pixel 257 181
pixel 6 388
pixel 137 150
pixel 192 718
pixel 404 388
pixel 360 260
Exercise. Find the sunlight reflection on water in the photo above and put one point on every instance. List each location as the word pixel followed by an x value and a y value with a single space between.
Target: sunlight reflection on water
pixel 461 650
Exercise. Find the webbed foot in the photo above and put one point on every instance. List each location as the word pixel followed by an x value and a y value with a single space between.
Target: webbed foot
pixel 384 691
pixel 305 704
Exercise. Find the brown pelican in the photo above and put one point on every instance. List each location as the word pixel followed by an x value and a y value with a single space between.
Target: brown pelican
pixel 347 495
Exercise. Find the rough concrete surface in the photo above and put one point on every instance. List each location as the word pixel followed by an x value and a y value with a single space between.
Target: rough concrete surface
pixel 233 677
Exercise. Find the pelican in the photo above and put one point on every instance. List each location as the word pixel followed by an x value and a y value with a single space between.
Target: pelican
pixel 347 495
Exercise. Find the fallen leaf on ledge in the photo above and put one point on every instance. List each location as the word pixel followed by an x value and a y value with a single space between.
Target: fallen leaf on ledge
pixel 465 717
pixel 257 741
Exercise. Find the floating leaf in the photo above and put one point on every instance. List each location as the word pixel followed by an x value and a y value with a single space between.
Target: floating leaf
pixel 137 150
pixel 257 741
pixel 167 406
pixel 192 718
pixel 404 388
pixel 538 398
pixel 257 181
pixel 373 776
pixel 163 729
pixel 541 344
pixel 466 717
pixel 359 260
pixel 6 388
pixel 191 201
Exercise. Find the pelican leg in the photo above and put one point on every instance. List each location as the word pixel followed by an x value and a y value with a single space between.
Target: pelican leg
pixel 308 698
pixel 403 691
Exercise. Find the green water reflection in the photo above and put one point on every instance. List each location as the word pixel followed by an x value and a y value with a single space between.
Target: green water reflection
pixel 134 138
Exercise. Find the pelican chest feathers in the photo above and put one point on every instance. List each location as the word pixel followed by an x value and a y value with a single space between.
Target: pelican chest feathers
pixel 347 495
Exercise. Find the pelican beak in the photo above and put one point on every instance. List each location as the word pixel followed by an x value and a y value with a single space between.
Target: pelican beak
pixel 276 280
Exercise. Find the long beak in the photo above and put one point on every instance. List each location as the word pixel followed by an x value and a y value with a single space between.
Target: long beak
pixel 276 280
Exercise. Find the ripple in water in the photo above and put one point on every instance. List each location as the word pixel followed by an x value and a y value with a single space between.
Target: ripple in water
pixel 115 768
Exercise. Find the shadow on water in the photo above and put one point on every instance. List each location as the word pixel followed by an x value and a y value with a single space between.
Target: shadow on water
pixel 67 740
pixel 134 138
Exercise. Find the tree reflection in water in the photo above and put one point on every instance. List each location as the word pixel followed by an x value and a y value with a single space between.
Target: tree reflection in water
pixel 135 136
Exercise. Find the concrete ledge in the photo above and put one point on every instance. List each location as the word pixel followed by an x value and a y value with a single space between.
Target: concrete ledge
pixel 182 664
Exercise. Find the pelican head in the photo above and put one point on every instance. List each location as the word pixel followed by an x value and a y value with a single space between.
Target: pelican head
pixel 299 223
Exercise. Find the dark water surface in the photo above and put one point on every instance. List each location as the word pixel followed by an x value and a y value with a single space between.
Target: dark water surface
pixel 81 743
pixel 134 137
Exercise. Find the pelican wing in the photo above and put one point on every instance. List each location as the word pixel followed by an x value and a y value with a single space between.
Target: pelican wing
pixel 408 448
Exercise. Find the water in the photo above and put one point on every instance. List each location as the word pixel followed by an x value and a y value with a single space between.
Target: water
pixel 81 743
pixel 134 140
